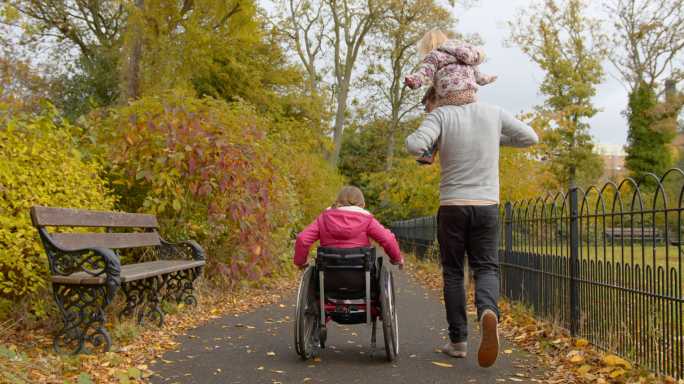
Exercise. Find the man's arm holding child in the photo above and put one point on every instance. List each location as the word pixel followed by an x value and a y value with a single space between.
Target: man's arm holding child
pixel 515 133
pixel 424 138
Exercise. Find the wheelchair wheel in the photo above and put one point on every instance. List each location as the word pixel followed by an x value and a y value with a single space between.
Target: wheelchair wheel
pixel 307 316
pixel 390 322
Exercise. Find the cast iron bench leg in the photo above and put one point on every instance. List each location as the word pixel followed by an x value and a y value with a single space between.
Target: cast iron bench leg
pixel 135 295
pixel 151 310
pixel 178 286
pixel 82 308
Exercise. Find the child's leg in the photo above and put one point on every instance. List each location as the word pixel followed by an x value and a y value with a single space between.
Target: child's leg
pixel 467 96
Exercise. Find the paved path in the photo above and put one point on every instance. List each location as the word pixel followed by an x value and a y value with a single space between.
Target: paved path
pixel 258 347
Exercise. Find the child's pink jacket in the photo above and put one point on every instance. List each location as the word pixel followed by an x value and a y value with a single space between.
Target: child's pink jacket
pixel 346 227
pixel 451 68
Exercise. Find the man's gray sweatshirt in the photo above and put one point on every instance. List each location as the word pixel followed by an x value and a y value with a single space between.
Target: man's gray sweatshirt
pixel 468 138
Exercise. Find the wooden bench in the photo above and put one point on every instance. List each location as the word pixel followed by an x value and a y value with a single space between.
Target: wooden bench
pixel 86 271
pixel 634 234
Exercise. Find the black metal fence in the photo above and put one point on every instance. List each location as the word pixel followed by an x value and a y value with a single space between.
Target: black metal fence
pixel 417 236
pixel 605 263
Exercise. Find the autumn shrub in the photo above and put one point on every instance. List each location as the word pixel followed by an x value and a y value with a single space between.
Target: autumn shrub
pixel 210 171
pixel 408 190
pixel 315 181
pixel 39 165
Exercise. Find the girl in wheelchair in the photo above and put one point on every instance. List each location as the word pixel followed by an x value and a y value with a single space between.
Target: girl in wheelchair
pixel 348 284
pixel 346 225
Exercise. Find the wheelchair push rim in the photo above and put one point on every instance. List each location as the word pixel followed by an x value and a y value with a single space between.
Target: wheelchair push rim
pixel 306 317
pixel 390 321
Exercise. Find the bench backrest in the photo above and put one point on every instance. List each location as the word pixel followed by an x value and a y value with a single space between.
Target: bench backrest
pixel 66 217
pixel 636 231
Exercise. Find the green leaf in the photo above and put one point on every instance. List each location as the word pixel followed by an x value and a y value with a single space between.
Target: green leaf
pixel 123 377
pixel 134 373
pixel 6 352
pixel 84 378
pixel 176 205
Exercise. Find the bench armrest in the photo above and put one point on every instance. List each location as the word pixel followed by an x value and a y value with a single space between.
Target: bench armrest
pixel 93 261
pixel 188 250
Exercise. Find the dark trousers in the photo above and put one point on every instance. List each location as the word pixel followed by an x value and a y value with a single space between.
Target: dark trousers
pixel 473 231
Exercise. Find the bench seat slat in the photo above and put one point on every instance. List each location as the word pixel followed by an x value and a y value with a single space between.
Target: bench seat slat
pixel 132 272
pixel 73 241
pixel 68 217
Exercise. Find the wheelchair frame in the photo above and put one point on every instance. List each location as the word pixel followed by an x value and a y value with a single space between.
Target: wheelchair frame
pixel 314 309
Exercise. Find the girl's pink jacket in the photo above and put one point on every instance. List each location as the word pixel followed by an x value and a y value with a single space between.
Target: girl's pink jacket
pixel 346 227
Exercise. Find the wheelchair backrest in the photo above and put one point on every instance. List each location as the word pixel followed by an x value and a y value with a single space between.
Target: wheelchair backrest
pixel 345 269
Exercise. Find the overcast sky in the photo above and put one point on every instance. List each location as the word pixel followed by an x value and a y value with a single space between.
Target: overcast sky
pixel 517 88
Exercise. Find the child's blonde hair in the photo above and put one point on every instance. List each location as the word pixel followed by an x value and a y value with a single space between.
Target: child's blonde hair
pixel 431 40
pixel 349 195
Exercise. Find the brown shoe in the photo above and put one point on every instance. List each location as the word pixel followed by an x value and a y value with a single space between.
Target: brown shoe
pixel 489 342
pixel 458 350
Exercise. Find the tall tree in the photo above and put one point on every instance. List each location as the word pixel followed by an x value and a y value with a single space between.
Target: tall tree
pixel 342 25
pixel 647 149
pixel 394 55
pixel 569 47
pixel 351 21
pixel 649 39
pixel 303 22
pixel 91 29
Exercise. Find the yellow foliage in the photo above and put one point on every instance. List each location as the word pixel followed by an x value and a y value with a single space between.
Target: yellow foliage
pixel 615 361
pixel 408 190
pixel 39 165
pixel 576 358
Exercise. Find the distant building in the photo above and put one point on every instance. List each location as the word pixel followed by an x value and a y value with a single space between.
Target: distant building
pixel 613 156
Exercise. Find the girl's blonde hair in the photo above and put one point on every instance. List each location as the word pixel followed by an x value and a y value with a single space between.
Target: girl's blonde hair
pixel 349 195
pixel 431 40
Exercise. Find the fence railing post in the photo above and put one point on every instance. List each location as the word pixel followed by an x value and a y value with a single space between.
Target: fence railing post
pixel 574 263
pixel 508 225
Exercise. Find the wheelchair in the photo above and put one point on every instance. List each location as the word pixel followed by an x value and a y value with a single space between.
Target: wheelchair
pixel 347 286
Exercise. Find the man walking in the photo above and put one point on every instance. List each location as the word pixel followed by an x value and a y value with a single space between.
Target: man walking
pixel 468 138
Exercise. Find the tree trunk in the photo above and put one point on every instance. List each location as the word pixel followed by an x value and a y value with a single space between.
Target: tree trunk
pixel 391 140
pixel 133 75
pixel 339 123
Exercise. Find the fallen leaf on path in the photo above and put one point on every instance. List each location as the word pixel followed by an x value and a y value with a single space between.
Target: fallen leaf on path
pixel 617 373
pixel 583 370
pixel 443 365
pixel 612 360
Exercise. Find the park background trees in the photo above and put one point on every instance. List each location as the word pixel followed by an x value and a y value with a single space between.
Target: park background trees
pixel 244 117
pixel 646 51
